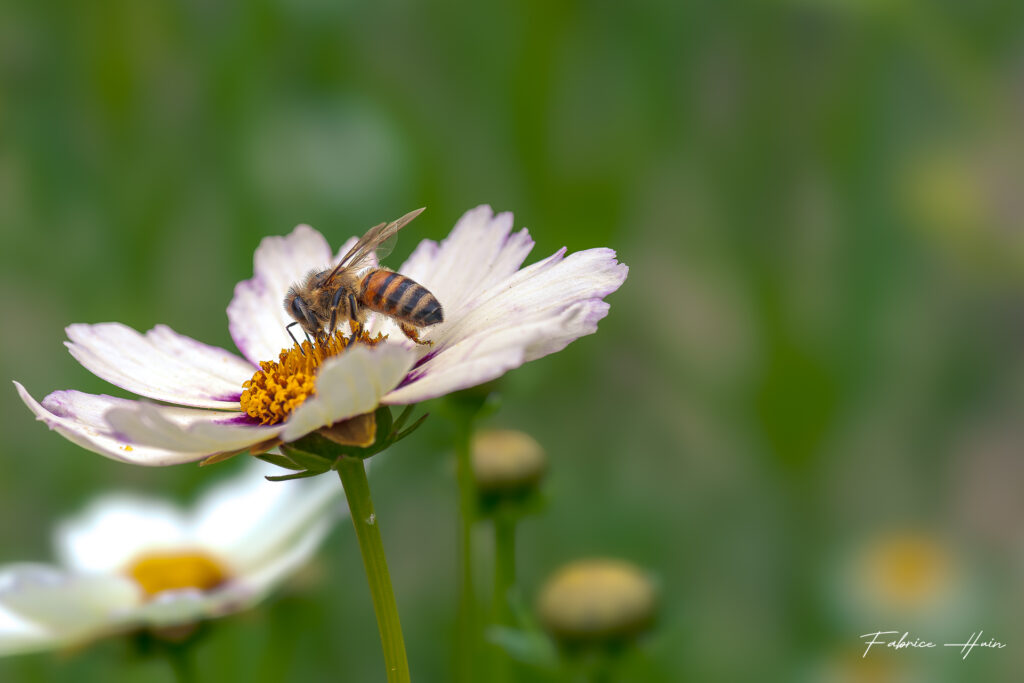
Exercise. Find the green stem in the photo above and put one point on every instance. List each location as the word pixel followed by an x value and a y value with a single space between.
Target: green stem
pixel 504 565
pixel 357 490
pixel 504 579
pixel 181 663
pixel 467 635
pixel 601 668
pixel 602 675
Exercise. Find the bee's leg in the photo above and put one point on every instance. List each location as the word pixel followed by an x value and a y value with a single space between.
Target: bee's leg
pixel 353 317
pixel 288 329
pixel 334 312
pixel 413 334
pixel 313 323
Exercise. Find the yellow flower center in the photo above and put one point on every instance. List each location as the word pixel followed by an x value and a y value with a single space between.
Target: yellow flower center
pixel 909 570
pixel 281 386
pixel 163 571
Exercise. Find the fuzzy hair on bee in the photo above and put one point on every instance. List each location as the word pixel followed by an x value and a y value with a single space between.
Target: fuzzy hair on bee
pixel 324 299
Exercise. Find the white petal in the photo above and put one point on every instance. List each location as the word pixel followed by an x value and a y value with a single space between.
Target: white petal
pixel 172 608
pixel 118 528
pixel 185 430
pixel 18 635
pixel 250 520
pixel 161 364
pixel 256 314
pixel 79 417
pixel 278 566
pixel 71 606
pixel 477 254
pixel 536 311
pixel 348 385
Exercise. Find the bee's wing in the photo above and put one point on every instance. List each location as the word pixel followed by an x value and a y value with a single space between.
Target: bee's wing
pixel 361 245
pixel 369 243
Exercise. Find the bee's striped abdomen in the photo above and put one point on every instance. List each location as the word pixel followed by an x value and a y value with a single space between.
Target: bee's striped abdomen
pixel 400 297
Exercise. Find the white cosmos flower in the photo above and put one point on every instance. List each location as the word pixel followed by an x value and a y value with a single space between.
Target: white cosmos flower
pixel 497 317
pixel 129 562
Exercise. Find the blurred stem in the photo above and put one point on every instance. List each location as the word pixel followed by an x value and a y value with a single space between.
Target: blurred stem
pixel 182 664
pixel 504 580
pixel 602 674
pixel 467 637
pixel 504 564
pixel 601 671
pixel 357 490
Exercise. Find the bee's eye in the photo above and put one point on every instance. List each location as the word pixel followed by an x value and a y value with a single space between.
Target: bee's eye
pixel 297 309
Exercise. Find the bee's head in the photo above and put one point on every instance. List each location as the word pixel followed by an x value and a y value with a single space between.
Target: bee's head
pixel 300 312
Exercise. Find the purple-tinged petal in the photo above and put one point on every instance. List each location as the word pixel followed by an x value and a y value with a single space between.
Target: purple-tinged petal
pixel 480 251
pixel 185 429
pixel 471 371
pixel 256 316
pixel 348 385
pixel 536 311
pixel 161 364
pixel 80 418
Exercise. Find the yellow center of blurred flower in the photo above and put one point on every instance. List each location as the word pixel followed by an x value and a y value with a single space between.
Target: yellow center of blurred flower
pixel 163 571
pixel 281 386
pixel 909 570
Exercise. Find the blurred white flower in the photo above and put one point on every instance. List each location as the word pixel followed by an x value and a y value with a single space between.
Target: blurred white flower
pixel 129 562
pixel 912 579
pixel 497 317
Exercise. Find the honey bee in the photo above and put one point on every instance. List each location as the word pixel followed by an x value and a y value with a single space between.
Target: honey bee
pixel 328 297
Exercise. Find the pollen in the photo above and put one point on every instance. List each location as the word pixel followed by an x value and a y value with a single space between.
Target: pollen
pixel 163 571
pixel 281 386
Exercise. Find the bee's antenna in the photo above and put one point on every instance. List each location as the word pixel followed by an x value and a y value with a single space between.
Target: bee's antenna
pixel 288 329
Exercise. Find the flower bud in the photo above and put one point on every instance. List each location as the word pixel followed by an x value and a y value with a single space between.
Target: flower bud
pixel 597 602
pixel 507 462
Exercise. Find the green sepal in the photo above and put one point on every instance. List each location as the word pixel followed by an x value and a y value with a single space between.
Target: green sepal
pixel 306 460
pixel 316 454
pixel 279 460
pixel 384 422
pixel 297 475
pixel 403 417
pixel 415 425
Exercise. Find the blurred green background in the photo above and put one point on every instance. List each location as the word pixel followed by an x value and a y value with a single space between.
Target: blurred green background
pixel 802 413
